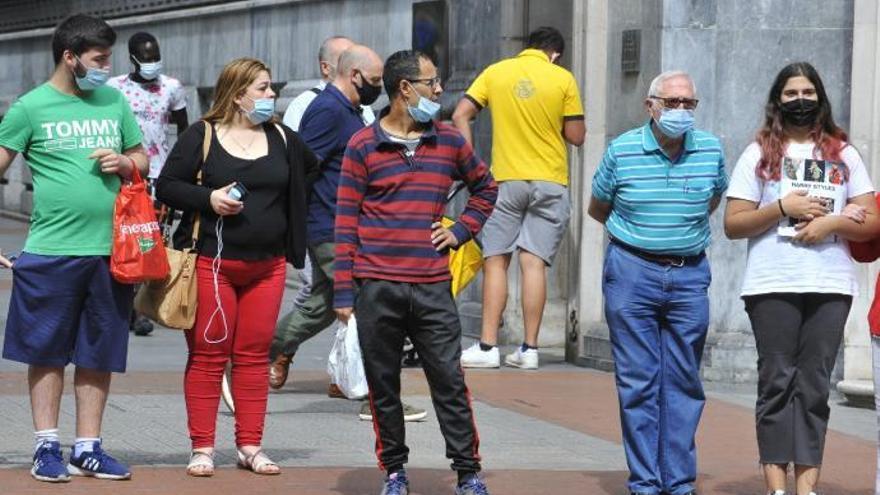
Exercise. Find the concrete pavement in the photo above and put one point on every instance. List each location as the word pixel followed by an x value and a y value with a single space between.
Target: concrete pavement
pixel 551 431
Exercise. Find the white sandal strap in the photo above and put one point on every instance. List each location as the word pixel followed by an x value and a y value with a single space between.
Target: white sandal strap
pixel 257 461
pixel 200 459
pixel 260 460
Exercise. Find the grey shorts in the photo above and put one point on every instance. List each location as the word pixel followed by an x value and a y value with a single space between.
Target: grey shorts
pixel 529 215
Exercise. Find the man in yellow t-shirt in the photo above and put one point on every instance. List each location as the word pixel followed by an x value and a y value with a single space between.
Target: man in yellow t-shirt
pixel 536 108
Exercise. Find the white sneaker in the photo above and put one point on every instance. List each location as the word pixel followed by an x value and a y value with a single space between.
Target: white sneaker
pixel 527 360
pixel 474 357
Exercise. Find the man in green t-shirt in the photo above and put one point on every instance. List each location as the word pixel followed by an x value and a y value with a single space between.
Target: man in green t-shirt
pixel 80 139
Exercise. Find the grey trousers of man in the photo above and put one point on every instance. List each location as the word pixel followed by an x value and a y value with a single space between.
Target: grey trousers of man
pixel 313 314
pixel 305 282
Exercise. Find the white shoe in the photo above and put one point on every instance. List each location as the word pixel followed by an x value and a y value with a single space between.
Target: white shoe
pixel 474 357
pixel 527 360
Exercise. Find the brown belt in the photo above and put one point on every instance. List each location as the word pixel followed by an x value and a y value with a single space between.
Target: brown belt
pixel 662 259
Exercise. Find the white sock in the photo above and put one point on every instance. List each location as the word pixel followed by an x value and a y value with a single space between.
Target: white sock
pixel 84 444
pixel 45 436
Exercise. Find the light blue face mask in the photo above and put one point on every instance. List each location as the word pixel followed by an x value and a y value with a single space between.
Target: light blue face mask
pixel 149 70
pixel 263 110
pixel 94 78
pixel 675 122
pixel 425 111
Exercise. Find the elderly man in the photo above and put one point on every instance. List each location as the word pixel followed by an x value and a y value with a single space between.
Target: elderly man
pixel 328 60
pixel 329 122
pixel 655 189
pixel 326 126
pixel 332 116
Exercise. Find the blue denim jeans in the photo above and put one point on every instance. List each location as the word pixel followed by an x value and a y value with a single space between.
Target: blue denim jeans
pixel 658 317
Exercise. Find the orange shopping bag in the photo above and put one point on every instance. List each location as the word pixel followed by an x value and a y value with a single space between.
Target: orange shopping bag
pixel 138 251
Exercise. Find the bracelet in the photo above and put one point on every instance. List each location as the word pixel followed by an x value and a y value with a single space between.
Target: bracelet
pixel 779 202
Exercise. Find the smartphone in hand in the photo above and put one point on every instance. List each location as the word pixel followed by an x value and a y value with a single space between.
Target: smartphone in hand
pixel 238 192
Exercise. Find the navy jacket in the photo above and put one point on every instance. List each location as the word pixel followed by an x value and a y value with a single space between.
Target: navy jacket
pixel 326 127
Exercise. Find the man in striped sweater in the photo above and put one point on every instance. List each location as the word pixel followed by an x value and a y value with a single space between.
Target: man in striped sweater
pixel 392 261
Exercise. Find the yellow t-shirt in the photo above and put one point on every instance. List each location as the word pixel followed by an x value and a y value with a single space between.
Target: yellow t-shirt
pixel 530 98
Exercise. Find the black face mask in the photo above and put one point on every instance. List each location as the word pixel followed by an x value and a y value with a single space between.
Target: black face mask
pixel 801 112
pixel 367 92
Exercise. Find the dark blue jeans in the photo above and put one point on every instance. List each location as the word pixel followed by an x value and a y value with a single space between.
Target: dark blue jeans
pixel 658 316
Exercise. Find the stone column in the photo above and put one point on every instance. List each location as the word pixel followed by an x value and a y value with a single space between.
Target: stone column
pixel 864 129
pixel 590 67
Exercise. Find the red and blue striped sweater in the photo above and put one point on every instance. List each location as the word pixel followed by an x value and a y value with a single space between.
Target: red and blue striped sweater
pixel 388 200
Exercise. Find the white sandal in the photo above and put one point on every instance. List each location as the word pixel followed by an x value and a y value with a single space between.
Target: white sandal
pixel 257 463
pixel 201 464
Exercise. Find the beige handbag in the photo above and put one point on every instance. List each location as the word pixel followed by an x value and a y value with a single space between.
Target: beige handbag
pixel 172 302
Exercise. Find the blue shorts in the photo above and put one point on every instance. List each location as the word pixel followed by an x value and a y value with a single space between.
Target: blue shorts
pixel 67 309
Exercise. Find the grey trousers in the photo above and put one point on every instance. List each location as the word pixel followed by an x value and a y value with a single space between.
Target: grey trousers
pixel 797 336
pixel 316 312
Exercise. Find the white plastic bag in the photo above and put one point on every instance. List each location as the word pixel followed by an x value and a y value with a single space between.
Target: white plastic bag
pixel 345 365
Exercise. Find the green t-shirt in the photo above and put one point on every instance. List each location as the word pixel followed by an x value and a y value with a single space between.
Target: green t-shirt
pixel 56 132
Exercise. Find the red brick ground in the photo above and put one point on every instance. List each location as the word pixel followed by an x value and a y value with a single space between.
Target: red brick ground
pixel 579 400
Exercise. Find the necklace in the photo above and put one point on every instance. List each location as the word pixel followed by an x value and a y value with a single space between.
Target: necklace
pixel 244 149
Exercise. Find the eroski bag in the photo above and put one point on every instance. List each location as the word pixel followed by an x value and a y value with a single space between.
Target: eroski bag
pixel 138 252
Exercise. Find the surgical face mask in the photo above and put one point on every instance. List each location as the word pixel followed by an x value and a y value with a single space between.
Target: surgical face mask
pixel 675 122
pixel 801 112
pixel 149 70
pixel 94 78
pixel 367 93
pixel 263 110
pixel 424 111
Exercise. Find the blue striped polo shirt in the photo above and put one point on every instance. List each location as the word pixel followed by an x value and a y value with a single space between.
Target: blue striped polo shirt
pixel 658 205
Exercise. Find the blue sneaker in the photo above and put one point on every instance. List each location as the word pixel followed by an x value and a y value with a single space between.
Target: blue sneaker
pixel 396 484
pixel 473 486
pixel 99 464
pixel 49 464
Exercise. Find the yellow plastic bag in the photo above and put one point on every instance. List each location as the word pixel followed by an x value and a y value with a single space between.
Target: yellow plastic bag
pixel 464 262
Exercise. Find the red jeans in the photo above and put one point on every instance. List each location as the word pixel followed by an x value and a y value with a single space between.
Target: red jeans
pixel 250 295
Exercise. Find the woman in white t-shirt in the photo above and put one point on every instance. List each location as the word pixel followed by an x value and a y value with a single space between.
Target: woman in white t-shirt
pixel 799 282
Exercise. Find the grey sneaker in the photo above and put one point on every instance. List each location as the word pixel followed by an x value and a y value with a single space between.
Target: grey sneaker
pixel 410 413
pixel 473 486
pixel 396 484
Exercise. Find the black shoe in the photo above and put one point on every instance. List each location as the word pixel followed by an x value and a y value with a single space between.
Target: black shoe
pixel 142 326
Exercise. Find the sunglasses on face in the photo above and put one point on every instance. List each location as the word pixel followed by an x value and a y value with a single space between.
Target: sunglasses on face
pixel 686 103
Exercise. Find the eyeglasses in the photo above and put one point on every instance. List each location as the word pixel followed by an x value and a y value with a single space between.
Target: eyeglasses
pixel 432 82
pixel 686 103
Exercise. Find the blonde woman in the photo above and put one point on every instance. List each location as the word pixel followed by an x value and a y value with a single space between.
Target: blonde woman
pixel 249 193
